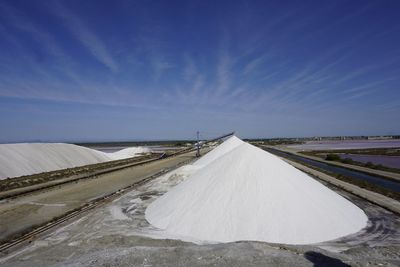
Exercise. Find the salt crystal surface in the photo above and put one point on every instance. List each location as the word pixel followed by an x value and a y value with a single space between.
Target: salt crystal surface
pixel 250 194
pixel 128 152
pixel 219 151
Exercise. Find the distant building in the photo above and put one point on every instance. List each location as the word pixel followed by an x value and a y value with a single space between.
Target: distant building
pixel 380 137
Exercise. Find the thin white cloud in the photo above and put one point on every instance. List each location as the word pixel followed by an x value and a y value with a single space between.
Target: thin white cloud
pixel 349 16
pixel 85 36
pixel 62 64
pixel 190 69
pixel 223 72
pixel 159 67
pixel 255 63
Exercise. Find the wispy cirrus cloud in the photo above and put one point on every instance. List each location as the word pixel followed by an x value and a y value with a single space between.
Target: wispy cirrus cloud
pixel 159 67
pixel 255 63
pixel 282 60
pixel 224 75
pixel 64 63
pixel 85 36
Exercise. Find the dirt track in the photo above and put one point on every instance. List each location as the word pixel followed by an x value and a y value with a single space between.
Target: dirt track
pixel 24 212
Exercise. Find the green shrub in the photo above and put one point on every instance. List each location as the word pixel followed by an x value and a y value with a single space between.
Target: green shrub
pixel 332 157
pixel 369 164
pixel 347 161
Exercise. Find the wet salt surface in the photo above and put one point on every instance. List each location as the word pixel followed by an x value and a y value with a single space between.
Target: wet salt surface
pixel 388 161
pixel 347 144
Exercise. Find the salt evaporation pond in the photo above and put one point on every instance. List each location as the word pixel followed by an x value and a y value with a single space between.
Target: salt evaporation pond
pixel 376 180
pixel 388 161
pixel 240 192
pixel 347 144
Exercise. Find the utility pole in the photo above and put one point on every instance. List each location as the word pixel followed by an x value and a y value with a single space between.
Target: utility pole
pixel 198 145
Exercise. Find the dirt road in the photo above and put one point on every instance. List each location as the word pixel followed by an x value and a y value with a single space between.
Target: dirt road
pixel 23 213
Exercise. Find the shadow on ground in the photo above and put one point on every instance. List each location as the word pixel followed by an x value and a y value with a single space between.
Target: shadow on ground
pixel 320 260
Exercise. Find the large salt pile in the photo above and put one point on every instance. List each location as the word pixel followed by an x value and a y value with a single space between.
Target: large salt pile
pixel 30 158
pixel 219 151
pixel 250 194
pixel 128 152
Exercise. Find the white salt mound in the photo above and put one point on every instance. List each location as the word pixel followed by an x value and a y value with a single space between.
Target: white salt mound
pixel 30 158
pixel 129 152
pixel 219 151
pixel 250 194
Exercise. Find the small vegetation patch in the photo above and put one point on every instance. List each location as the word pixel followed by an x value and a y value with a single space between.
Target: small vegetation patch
pixel 333 157
pixel 336 157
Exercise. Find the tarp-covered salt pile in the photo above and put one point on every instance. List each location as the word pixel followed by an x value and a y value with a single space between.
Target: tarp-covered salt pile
pixel 246 193
pixel 30 158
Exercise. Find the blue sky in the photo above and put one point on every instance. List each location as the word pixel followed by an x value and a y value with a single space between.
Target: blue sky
pixel 133 70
